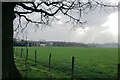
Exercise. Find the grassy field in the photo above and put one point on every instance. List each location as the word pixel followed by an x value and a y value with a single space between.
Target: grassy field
pixel 89 62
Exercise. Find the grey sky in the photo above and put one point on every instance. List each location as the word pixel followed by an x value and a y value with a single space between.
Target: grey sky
pixel 101 27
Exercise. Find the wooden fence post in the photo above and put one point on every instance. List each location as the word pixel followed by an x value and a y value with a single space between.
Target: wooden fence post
pixel 49 61
pixel 26 58
pixel 118 72
pixel 72 68
pixel 27 54
pixel 21 52
pixel 35 57
pixel 17 52
pixel 13 50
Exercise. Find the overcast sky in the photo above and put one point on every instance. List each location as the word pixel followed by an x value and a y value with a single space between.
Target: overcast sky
pixel 101 27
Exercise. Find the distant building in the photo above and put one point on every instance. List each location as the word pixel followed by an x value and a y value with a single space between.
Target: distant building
pixel 50 44
pixel 47 43
pixel 43 45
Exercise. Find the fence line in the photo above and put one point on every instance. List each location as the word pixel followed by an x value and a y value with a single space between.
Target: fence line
pixel 26 59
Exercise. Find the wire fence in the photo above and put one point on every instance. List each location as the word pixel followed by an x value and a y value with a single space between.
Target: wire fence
pixel 47 62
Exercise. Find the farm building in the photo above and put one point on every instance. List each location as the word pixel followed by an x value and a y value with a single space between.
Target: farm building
pixel 47 43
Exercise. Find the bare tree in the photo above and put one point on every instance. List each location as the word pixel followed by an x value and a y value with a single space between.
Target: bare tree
pixel 46 11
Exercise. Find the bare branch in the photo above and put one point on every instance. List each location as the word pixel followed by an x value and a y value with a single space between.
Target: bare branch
pixel 47 15
pixel 24 27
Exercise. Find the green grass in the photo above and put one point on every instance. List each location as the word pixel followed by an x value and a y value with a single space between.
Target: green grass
pixel 89 62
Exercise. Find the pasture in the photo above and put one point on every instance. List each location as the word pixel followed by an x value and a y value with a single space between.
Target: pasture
pixel 90 62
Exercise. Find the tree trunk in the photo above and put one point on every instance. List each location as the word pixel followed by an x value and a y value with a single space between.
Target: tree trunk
pixel 9 70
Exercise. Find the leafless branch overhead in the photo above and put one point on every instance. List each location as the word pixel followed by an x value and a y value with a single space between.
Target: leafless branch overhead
pixel 49 9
